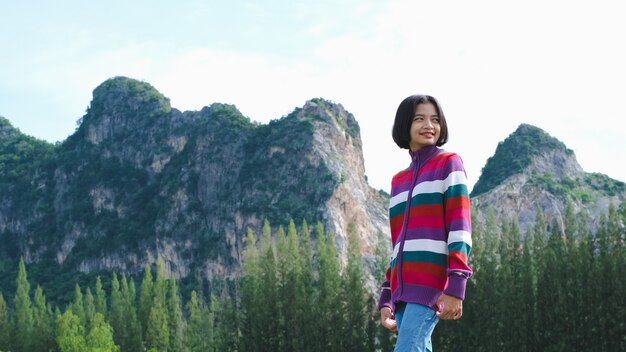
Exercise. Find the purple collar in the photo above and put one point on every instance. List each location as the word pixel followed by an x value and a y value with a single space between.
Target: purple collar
pixel 423 155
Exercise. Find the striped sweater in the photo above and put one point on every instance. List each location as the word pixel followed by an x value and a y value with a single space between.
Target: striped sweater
pixel 432 237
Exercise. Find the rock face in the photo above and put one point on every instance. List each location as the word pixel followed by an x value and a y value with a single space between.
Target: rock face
pixel 531 170
pixel 139 179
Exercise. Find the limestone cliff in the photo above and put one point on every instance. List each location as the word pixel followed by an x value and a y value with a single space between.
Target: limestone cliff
pixel 531 169
pixel 140 179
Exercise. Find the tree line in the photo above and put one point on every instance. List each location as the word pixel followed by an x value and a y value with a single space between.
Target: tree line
pixel 292 295
pixel 558 287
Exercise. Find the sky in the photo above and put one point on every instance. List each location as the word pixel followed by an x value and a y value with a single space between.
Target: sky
pixel 493 65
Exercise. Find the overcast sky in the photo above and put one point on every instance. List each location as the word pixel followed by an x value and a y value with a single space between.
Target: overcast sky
pixel 558 65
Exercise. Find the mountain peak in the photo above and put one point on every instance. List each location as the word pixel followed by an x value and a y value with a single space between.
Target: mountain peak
pixel 334 114
pixel 122 106
pixel 532 170
pixel 131 93
pixel 516 153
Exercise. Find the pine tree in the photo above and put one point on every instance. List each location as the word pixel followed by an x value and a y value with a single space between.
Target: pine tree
pixel 145 298
pixel 321 311
pixel 516 300
pixel 543 296
pixel 157 331
pixel 90 308
pixel 472 310
pixel 307 301
pixel 132 329
pixel 70 333
pixel 209 313
pixel 43 338
pixel 283 286
pixel 611 291
pixel 293 291
pixel 570 239
pixel 175 319
pixel 617 262
pixel 329 286
pixel 116 314
pixel 269 309
pixel 5 326
pixel 101 300
pixel 385 338
pixel 78 306
pixel 100 336
pixel 195 339
pixel 354 298
pixel 250 295
pixel 529 279
pixel 23 326
pixel 552 305
pixel 227 338
pixel 372 326
pixel 481 305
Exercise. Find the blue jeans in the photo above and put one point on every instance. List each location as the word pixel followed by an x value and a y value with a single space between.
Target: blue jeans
pixel 415 326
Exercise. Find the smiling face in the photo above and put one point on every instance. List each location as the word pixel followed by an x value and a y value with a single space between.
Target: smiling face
pixel 425 129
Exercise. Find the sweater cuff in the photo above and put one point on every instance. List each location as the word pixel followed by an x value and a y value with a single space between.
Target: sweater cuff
pixel 384 300
pixel 456 286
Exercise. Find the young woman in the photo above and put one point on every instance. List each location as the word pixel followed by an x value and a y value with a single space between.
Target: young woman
pixel 429 218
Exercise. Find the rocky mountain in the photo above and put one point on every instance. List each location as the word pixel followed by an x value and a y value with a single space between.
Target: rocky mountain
pixel 532 169
pixel 139 179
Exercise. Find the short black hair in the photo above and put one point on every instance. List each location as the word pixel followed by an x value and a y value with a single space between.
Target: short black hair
pixel 401 131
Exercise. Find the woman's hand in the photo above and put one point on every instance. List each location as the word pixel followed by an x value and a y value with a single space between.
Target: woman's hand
pixel 450 308
pixel 387 319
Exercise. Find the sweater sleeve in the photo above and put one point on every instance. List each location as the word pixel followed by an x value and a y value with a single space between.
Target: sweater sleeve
pixel 384 299
pixel 458 227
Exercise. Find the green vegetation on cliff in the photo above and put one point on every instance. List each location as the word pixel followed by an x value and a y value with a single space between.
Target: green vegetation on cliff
pixel 514 154
pixel 137 174
pixel 20 155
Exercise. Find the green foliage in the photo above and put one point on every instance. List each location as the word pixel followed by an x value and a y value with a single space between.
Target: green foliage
pixel 70 333
pixel 541 277
pixel 175 318
pixel 43 338
pixel 514 154
pixel 605 184
pixel 100 303
pixel 100 336
pixel 354 297
pixel 116 315
pixel 100 186
pixel 23 321
pixel 5 327
pixel 284 185
pixel 585 190
pixel 157 329
pixel 20 155
pixel 290 286
pixel 199 332
pixel 121 95
pixel 283 274
pixel 78 306
pixel 145 298
pixel 385 338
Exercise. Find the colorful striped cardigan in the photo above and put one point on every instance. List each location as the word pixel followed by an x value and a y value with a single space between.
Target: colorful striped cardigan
pixel 430 245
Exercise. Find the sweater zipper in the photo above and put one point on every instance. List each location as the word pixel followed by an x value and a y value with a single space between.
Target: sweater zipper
pixel 406 222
